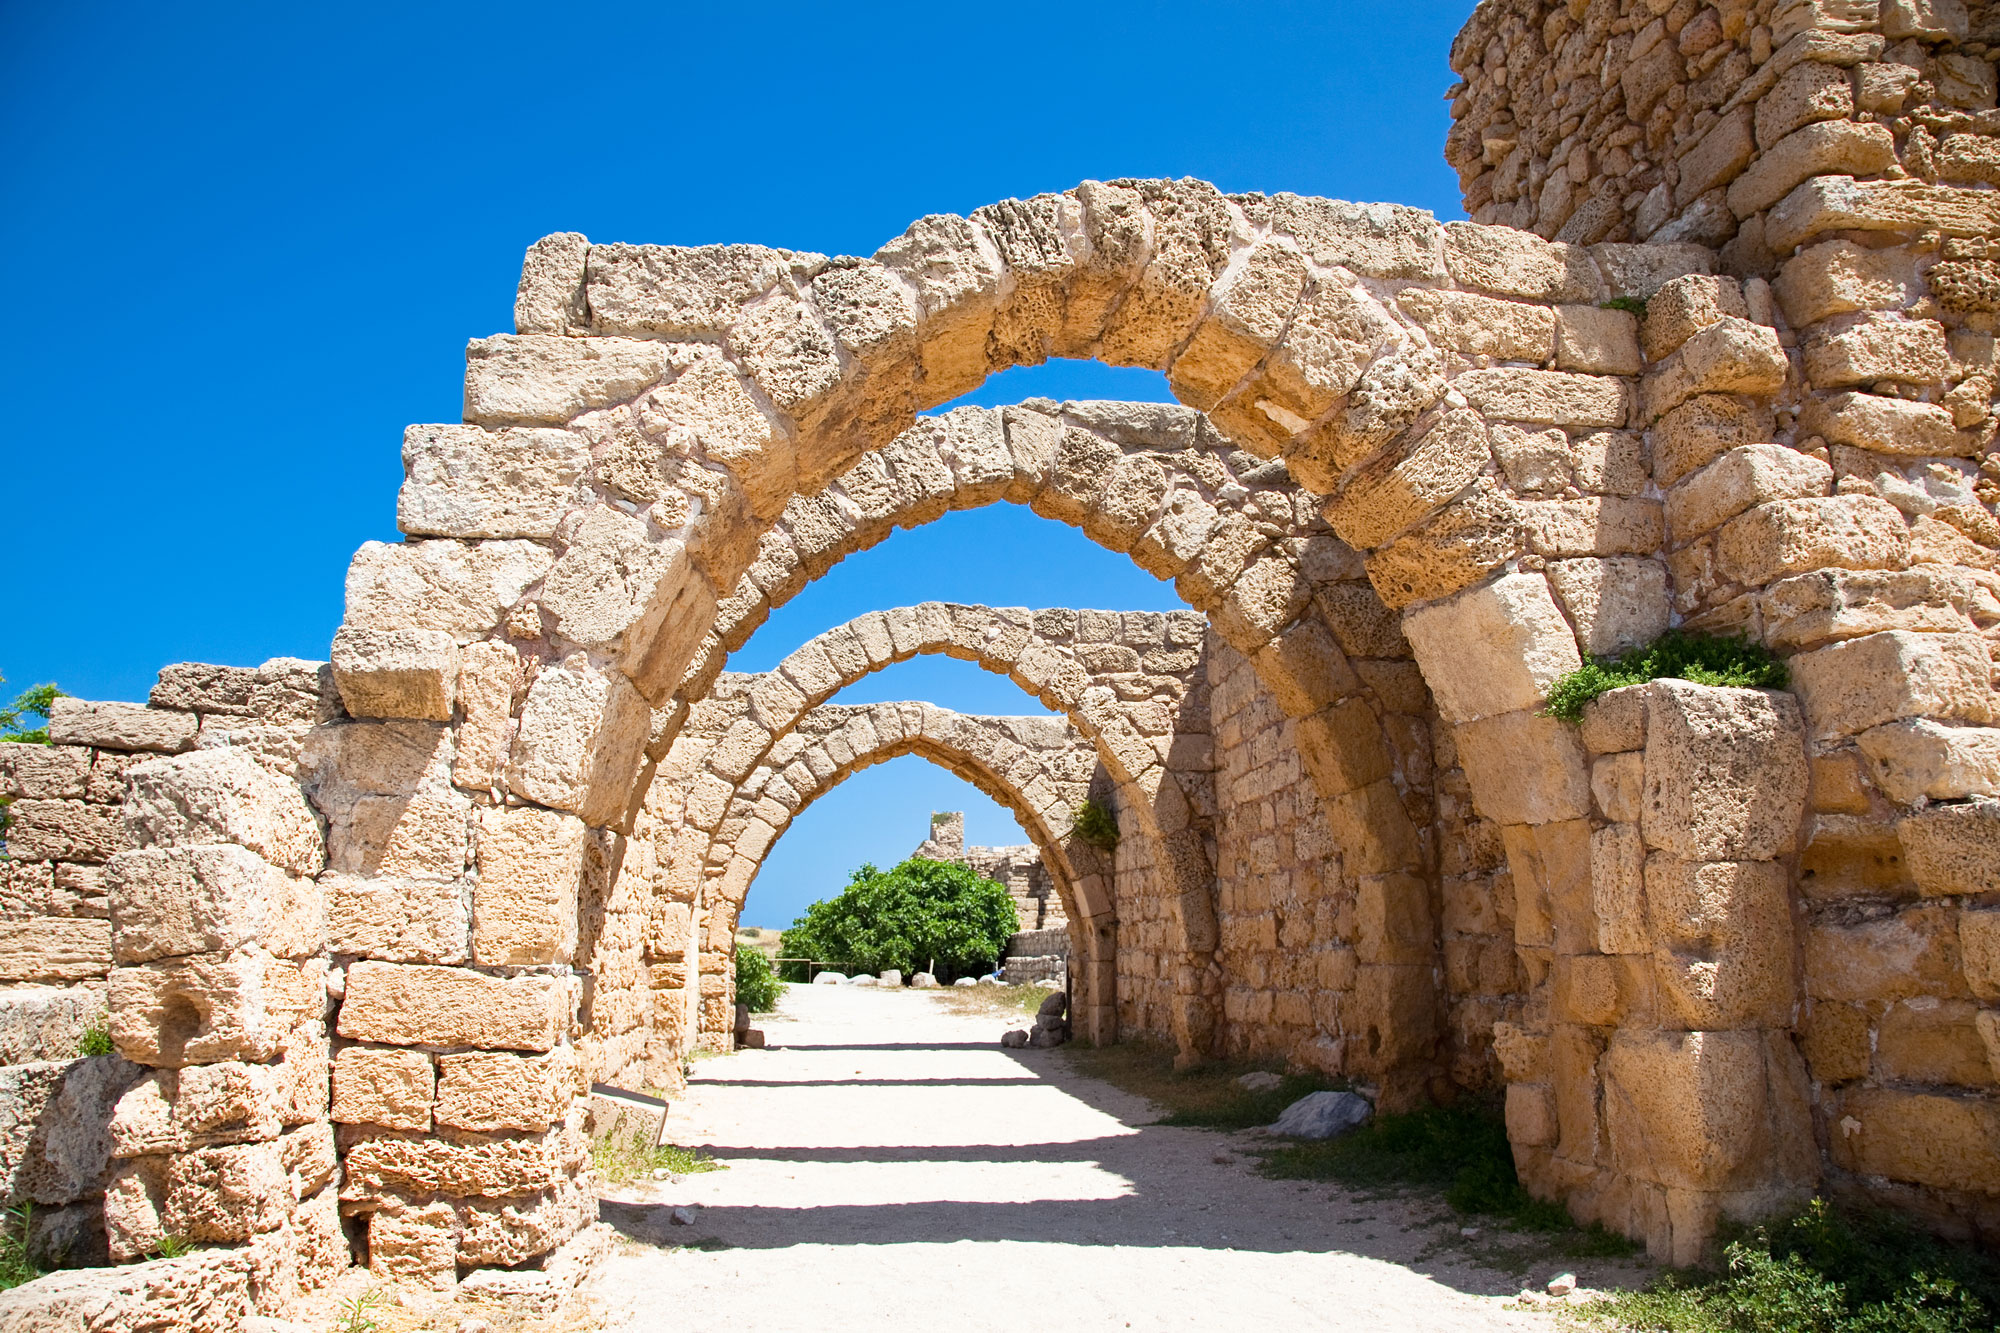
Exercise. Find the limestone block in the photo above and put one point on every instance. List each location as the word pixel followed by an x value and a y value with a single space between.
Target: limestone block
pixel 1876 678
pixel 43 772
pixel 1747 475
pixel 462 588
pixel 54 949
pixel 1783 537
pixel 488 677
pixel 1715 159
pixel 398 920
pixel 218 796
pixel 1524 768
pixel 214 1105
pixel 1722 933
pixel 414 1244
pixel 580 741
pixel 1811 609
pixel 1933 1042
pixel 1247 314
pixel 1731 355
pixel 382 1165
pixel 1806 92
pixel 1596 525
pixel 461 481
pixel 1519 263
pixel 1615 603
pixel 63 831
pixel 1702 429
pixel 1925 1138
pixel 1594 340
pixel 1450 551
pixel 400 1004
pixel 1882 425
pixel 1483 325
pixel 1617 784
pixel 171 901
pixel 508 1232
pixel 205 1292
pixel 1909 953
pixel 1531 1114
pixel 1867 348
pixel 1953 849
pixel 1931 20
pixel 1617 888
pixel 226 1194
pixel 1979 946
pixel 1835 1041
pixel 47 1022
pixel 388 1088
pixel 532 379
pixel 683 291
pixel 1410 482
pixel 1835 277
pixel 1493 649
pixel 54 1148
pixel 1550 397
pixel 1726 771
pixel 1342 747
pixel 1829 147
pixel 198 687
pixel 116 726
pixel 1683 307
pixel 1641 270
pixel 1916 758
pixel 212 1007
pixel 550 297
pixel 1841 203
pixel 1708 1110
pixel 530 875
pixel 396 673
pixel 490 1091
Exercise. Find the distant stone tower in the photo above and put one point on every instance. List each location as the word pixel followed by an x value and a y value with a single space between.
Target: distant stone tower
pixel 947 840
pixel 1019 869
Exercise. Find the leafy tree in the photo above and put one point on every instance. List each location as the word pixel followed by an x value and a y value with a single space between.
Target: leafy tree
pixel 756 984
pixel 31 703
pixel 922 914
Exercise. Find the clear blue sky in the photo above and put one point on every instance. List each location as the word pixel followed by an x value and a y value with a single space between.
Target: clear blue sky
pixel 247 243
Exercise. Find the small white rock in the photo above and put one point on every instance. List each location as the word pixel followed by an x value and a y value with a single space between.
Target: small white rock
pixel 661 1173
pixel 681 1217
pixel 1468 1231
pixel 1562 1284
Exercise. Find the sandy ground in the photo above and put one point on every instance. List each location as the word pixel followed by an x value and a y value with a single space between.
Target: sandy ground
pixel 888 1161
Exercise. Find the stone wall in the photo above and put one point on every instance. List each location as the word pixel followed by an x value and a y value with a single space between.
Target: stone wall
pixel 1018 869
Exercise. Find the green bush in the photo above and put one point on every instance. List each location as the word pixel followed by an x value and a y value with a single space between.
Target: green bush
pixel 31 703
pixel 1095 825
pixel 756 984
pixel 1823 1271
pixel 922 916
pixel 1705 659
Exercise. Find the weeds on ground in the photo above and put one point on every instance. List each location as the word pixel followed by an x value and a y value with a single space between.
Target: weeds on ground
pixel 356 1312
pixel 1825 1270
pixel 1206 1097
pixel 1705 659
pixel 14 1266
pixel 757 984
pixel 1460 1149
pixel 1003 1000
pixel 634 1159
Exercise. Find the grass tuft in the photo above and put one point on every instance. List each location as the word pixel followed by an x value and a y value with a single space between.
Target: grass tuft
pixel 623 1161
pixel 1705 659
pixel 1461 1150
pixel 96 1039
pixel 14 1266
pixel 1824 1270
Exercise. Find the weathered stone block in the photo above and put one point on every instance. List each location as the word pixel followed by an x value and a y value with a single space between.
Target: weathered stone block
pixel 447 1006
pixel 1883 425
pixel 1806 92
pixel 1722 932
pixel 1953 849
pixel 490 1091
pixel 1796 536
pixel 550 297
pixel 1830 147
pixel 1863 682
pixel 461 481
pixel 63 831
pixel 1594 340
pixel 399 920
pixel 396 673
pixel 389 1088
pixel 1812 609
pixel 1906 954
pixel 1482 325
pixel 1838 276
pixel 1551 397
pixel 529 379
pixel 1730 356
pixel 1750 474
pixel 1686 305
pixel 460 1166
pixel 47 1022
pixel 1524 768
pixel 1932 1042
pixel 1702 429
pixel 1916 758
pixel 221 796
pixel 226 1194
pixel 462 588
pixel 1492 649
pixel 212 1007
pixel 1878 347
pixel 1941 1141
pixel 54 949
pixel 524 901
pixel 1726 774
pixel 415 1244
pixel 116 726
pixel 1708 1110
pixel 171 901
pixel 1615 603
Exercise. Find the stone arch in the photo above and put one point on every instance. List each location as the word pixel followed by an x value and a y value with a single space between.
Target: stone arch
pixel 1121 678
pixel 1038 768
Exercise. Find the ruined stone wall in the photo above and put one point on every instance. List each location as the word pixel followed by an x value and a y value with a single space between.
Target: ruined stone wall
pixel 1017 868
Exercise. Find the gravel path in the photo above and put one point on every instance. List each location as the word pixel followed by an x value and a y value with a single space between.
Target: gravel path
pixel 889 1162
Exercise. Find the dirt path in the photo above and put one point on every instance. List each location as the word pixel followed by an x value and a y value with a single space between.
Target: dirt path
pixel 889 1162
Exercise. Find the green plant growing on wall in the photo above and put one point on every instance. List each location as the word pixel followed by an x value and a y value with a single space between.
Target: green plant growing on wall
pixel 756 984
pixel 1094 824
pixel 1705 659
pixel 17 719
pixel 920 914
